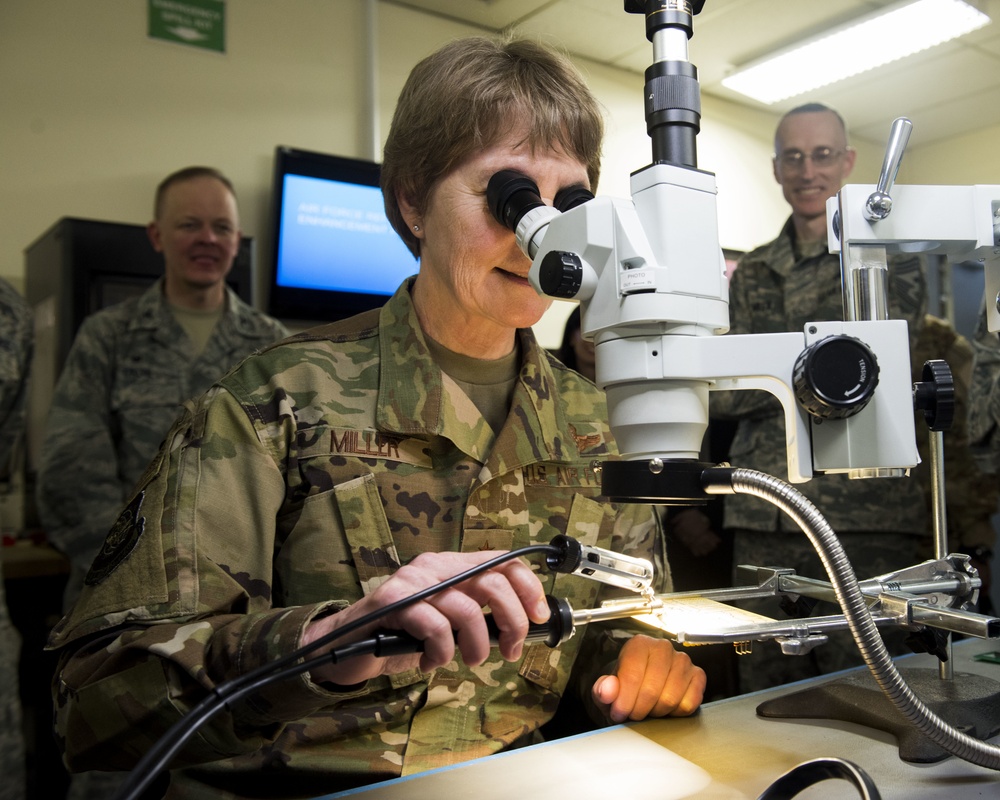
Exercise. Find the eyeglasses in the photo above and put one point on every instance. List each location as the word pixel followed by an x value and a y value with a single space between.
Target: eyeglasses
pixel 795 160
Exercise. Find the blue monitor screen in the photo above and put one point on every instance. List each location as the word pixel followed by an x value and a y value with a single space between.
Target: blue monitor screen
pixel 335 252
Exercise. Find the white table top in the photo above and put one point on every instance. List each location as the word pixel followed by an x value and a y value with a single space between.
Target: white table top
pixel 725 752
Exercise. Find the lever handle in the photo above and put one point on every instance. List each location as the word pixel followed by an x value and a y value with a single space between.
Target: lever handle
pixel 879 202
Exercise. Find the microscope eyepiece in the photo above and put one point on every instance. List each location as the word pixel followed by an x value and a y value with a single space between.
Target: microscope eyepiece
pixel 511 195
pixel 571 197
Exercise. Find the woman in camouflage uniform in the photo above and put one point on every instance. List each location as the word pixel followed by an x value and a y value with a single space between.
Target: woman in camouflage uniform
pixel 359 462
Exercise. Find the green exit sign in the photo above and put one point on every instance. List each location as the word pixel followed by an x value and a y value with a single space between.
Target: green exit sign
pixel 196 23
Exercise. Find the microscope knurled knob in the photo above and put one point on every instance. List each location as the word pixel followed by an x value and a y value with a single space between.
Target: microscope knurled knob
pixel 560 274
pixel 835 378
pixel 935 395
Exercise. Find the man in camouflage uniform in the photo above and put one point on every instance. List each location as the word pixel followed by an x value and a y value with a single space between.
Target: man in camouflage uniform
pixel 984 410
pixel 984 396
pixel 15 359
pixel 344 469
pixel 130 369
pixel 132 366
pixel 779 287
pixel 971 491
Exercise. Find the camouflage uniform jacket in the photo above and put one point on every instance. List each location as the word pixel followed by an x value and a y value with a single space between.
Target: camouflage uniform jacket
pixel 125 380
pixel 776 289
pixel 293 488
pixel 984 397
pixel 15 357
pixel 970 491
pixel 16 334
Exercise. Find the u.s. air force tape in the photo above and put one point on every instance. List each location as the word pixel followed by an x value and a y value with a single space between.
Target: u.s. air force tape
pixel 120 542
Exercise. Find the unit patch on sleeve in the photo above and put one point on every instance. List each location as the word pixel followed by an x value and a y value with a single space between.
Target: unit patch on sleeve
pixel 120 542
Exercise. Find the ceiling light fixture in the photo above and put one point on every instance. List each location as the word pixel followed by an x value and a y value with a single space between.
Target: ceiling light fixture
pixel 888 35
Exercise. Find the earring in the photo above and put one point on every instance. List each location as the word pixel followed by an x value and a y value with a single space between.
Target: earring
pixel 416 227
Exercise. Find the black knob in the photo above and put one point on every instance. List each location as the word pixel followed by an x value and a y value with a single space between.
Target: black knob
pixel 560 274
pixel 835 377
pixel 935 395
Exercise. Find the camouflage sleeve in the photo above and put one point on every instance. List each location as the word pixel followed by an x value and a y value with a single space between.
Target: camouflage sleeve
pixel 11 740
pixel 908 291
pixel 15 358
pixel 78 491
pixel 971 494
pixel 971 499
pixel 984 396
pixel 171 612
pixel 745 403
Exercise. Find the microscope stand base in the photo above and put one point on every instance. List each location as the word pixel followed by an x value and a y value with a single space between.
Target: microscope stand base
pixel 969 703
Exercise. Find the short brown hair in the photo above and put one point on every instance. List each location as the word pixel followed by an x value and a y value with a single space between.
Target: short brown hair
pixel 467 96
pixel 187 174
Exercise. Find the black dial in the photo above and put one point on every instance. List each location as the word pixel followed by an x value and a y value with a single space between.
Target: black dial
pixel 934 395
pixel 835 377
pixel 560 274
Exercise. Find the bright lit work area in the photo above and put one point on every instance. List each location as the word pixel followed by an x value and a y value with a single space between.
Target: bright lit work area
pixel 409 399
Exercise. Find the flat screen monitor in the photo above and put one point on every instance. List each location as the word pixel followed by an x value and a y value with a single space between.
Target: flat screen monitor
pixel 335 253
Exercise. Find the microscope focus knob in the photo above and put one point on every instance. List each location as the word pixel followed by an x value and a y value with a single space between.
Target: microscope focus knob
pixel 835 377
pixel 934 395
pixel 560 274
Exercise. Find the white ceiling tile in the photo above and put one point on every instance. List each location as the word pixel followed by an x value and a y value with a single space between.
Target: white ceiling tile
pixel 948 120
pixel 963 75
pixel 494 14
pixel 589 30
pixel 910 89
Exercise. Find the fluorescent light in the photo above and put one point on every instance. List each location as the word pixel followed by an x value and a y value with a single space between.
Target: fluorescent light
pixel 888 35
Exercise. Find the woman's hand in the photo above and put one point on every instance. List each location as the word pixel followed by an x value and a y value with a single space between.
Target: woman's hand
pixel 445 620
pixel 651 679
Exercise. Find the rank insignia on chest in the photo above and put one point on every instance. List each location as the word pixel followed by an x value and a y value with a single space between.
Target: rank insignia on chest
pixel 120 542
pixel 585 441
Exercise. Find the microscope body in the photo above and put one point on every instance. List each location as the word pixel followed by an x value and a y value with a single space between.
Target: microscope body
pixel 649 275
pixel 654 299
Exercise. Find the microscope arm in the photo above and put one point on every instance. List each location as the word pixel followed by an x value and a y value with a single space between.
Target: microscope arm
pixel 649 378
pixel 960 222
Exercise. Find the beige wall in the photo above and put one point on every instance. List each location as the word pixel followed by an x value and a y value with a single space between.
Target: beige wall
pixel 965 160
pixel 93 114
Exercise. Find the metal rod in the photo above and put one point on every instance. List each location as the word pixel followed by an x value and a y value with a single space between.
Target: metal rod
pixel 940 514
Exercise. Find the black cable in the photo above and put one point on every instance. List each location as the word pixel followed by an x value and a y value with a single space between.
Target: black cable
pixel 812 772
pixel 167 747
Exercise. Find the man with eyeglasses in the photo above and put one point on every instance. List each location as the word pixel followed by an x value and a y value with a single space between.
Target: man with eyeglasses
pixel 132 366
pixel 779 287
